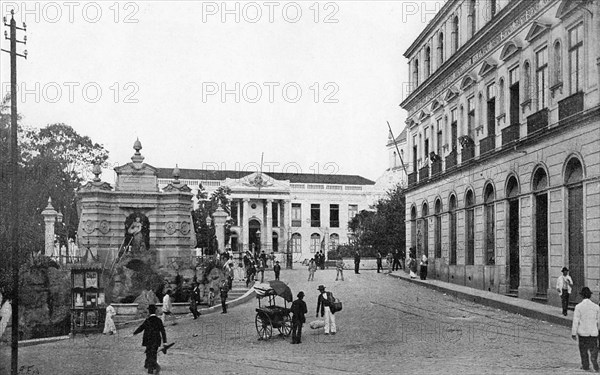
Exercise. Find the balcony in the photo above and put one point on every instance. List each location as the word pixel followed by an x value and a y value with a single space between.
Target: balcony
pixel 468 153
pixel 424 173
pixel 510 134
pixel 487 144
pixel 537 121
pixel 570 105
pixel 436 167
pixel 412 178
pixel 451 159
pixel 297 223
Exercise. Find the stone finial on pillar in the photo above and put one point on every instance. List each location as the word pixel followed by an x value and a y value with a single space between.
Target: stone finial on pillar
pixel 137 158
pixel 176 174
pixel 97 171
pixel 50 215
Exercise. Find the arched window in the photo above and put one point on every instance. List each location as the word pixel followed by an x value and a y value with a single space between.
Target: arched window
pixel 470 228
pixel 315 242
pixel 527 80
pixel 441 49
pixel 540 180
pixel 455 34
pixel 575 246
pixel 425 231
pixel 512 188
pixel 557 63
pixel 490 229
pixel 438 228
pixel 452 211
pixel 472 17
pixel 334 241
pixel 416 73
pixel 296 243
pixel 501 96
pixel 427 62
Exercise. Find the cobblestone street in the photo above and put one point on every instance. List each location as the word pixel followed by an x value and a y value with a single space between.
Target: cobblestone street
pixel 386 326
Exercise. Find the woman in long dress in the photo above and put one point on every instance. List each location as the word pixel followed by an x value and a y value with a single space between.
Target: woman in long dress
pixel 109 324
pixel 5 314
pixel 413 267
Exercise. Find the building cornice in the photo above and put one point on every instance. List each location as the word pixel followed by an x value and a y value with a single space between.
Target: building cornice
pixel 509 21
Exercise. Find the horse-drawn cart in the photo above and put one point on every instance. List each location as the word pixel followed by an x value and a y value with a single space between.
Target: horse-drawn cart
pixel 269 315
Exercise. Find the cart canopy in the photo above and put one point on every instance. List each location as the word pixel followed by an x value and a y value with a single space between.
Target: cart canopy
pixel 274 288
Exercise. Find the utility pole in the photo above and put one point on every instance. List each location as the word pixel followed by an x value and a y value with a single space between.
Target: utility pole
pixel 14 192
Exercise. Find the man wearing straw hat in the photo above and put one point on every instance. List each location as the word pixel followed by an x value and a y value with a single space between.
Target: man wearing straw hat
pixel 564 284
pixel 323 306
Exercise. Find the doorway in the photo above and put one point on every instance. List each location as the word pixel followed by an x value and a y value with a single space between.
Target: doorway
pixel 513 243
pixel 541 242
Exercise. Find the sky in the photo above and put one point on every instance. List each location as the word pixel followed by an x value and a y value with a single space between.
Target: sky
pixel 216 85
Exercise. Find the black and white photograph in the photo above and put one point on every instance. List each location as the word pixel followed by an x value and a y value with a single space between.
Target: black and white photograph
pixel 392 186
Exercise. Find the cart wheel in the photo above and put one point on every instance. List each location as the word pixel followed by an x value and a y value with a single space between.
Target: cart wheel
pixel 286 325
pixel 263 326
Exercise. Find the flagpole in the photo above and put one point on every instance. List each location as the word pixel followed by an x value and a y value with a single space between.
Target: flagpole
pixel 397 149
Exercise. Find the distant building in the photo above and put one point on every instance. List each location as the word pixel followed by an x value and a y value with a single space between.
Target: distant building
pixel 395 173
pixel 503 135
pixel 272 211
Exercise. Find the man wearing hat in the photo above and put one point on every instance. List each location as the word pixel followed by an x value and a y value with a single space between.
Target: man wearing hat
pixel 154 330
pixel 298 309
pixel 323 306
pixel 564 284
pixel 586 322
pixel 277 270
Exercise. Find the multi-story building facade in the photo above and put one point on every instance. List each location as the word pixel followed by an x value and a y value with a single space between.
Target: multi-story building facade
pixel 504 140
pixel 271 210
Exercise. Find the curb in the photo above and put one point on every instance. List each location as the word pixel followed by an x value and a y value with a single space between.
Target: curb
pixel 494 300
pixel 209 310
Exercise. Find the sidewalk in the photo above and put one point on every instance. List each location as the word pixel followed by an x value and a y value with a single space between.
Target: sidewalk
pixel 549 313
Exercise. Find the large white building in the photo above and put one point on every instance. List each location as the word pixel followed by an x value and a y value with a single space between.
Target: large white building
pixel 271 210
pixel 504 142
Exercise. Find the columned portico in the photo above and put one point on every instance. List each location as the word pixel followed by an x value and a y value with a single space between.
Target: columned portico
pixel 268 236
pixel 244 224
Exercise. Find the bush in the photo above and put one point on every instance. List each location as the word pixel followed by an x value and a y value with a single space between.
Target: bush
pixel 348 251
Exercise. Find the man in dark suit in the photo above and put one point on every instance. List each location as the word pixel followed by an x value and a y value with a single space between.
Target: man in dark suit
pixel 299 310
pixel 154 330
pixel 356 261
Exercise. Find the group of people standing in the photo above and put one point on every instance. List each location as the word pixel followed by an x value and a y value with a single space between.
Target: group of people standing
pixel 324 309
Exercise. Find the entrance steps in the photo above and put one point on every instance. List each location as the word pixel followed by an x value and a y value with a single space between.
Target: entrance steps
pixel 512 293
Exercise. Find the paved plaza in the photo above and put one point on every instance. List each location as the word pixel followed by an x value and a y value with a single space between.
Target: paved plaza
pixel 387 326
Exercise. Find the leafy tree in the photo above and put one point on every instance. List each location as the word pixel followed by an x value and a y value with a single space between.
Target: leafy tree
pixel 382 230
pixel 53 162
pixel 205 235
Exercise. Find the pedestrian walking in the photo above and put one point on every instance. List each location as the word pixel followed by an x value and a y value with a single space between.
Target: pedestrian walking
pixel 261 270
pixel 298 310
pixel 564 285
pixel 312 268
pixel 251 271
pixel 424 264
pixel 379 261
pixel 195 300
pixel 396 265
pixel 229 275
pixel 154 330
pixel 263 260
pixel 277 270
pixel 388 261
pixel 324 302
pixel 223 291
pixel 339 266
pixel 412 266
pixel 109 324
pixel 322 260
pixel 356 262
pixel 167 308
pixel 586 322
